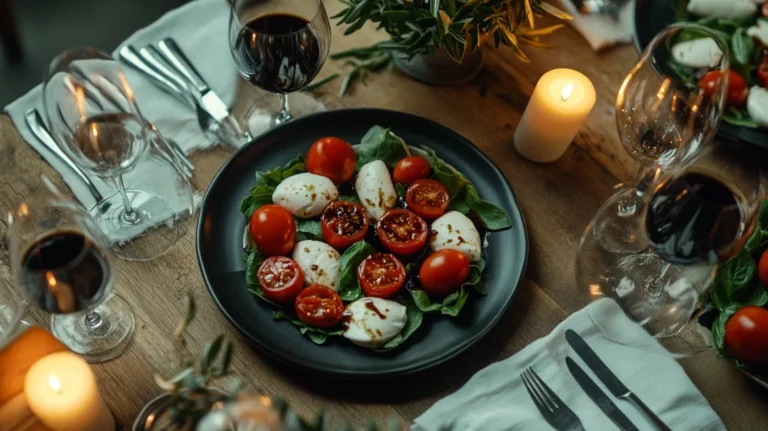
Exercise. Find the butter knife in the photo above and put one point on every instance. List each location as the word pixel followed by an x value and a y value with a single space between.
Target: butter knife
pixel 617 388
pixel 35 122
pixel 599 397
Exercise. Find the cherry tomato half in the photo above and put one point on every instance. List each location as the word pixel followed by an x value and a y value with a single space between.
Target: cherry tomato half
pixel 427 198
pixel 344 223
pixel 762 268
pixel 281 279
pixel 319 306
pixel 764 9
pixel 381 275
pixel 746 336
pixel 273 230
pixel 402 232
pixel 410 169
pixel 443 272
pixel 332 158
pixel 737 87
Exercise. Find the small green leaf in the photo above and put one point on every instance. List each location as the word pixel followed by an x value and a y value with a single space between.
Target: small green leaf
pixel 380 144
pixel 434 7
pixel 555 12
pixel 210 353
pixel 422 301
pixel 742 46
pixel 396 15
pixel 311 229
pixel 226 359
pixel 453 304
pixel 349 288
pixel 414 318
pixel 759 296
pixel 317 84
pixel 718 329
pixel 317 337
pixel 188 316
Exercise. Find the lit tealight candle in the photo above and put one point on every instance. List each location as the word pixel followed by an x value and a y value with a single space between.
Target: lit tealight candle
pixel 560 102
pixel 61 391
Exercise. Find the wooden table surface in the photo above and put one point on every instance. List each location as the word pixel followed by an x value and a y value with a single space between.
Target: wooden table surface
pixel 557 200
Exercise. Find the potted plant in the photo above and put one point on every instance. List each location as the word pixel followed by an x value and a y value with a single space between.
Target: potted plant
pixel 438 41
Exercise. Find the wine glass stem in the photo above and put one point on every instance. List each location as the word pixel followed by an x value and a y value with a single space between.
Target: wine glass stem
pixel 129 214
pixel 645 179
pixel 93 320
pixel 285 112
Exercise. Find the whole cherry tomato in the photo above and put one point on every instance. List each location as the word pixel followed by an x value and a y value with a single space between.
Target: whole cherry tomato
pixel 410 169
pixel 427 198
pixel 273 229
pixel 319 306
pixel 443 272
pixel 762 268
pixel 281 279
pixel 381 275
pixel 332 158
pixel 737 86
pixel 402 232
pixel 746 336
pixel 344 223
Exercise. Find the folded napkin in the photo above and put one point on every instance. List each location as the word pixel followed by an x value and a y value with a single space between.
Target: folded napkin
pixel 495 398
pixel 603 31
pixel 201 30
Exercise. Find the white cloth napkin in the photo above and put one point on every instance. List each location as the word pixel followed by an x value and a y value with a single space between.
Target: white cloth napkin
pixel 603 31
pixel 201 30
pixel 495 398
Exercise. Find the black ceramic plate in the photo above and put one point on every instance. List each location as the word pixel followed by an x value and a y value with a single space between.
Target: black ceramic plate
pixel 219 248
pixel 652 16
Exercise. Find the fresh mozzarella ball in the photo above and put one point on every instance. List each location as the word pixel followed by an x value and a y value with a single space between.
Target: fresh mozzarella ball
pixel 455 231
pixel 730 9
pixel 698 53
pixel 759 32
pixel 319 262
pixel 372 322
pixel 305 195
pixel 757 105
pixel 375 189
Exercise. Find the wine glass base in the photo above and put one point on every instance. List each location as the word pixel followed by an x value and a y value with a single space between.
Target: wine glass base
pixel 103 341
pixel 264 114
pixel 148 236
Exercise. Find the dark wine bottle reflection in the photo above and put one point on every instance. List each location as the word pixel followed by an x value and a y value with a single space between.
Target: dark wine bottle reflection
pixel 279 52
pixel 64 272
pixel 695 218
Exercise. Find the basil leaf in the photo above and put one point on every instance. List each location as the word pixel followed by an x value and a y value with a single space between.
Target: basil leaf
pixel 380 144
pixel 491 216
pixel 415 317
pixel 353 199
pixel 718 329
pixel 308 229
pixel 422 301
pixel 735 280
pixel 742 46
pixel 454 181
pixel 275 176
pixel 454 302
pixel 252 264
pixel 759 296
pixel 317 335
pixel 739 117
pixel 258 197
pixel 349 287
pixel 400 190
pixel 475 279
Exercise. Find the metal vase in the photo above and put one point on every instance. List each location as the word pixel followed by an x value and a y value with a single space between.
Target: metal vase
pixel 439 68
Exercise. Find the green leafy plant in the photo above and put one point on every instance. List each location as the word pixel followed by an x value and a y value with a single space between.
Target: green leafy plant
pixel 457 26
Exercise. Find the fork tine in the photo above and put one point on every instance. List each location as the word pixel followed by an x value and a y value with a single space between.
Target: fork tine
pixel 547 391
pixel 541 393
pixel 543 408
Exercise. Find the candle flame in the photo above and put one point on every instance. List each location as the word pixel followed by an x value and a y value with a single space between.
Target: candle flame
pixel 54 383
pixel 51 279
pixel 567 91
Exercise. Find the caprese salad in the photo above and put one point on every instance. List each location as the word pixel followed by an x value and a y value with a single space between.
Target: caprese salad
pixel 743 25
pixel 360 242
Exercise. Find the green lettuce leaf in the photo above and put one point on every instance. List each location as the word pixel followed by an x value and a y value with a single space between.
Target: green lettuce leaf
pixel 317 335
pixel 266 182
pixel 452 304
pixel 349 287
pixel 308 229
pixel 415 317
pixel 734 281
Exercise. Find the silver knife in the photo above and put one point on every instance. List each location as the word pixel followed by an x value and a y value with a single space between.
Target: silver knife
pixel 599 397
pixel 209 100
pixel 35 122
pixel 618 389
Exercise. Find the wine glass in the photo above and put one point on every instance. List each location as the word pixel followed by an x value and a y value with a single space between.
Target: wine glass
pixel 664 116
pixel 94 118
pixel 62 262
pixel 278 46
pixel 698 215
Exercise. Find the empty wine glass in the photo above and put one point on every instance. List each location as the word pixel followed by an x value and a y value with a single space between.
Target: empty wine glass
pixel 698 215
pixel 62 262
pixel 94 118
pixel 278 46
pixel 664 116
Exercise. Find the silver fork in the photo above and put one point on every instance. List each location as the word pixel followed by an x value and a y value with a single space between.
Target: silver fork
pixel 555 412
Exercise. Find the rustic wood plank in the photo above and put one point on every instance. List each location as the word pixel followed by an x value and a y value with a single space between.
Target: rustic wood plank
pixel 557 199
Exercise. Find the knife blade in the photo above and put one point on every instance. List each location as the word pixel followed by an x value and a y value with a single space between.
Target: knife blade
pixel 598 396
pixel 617 388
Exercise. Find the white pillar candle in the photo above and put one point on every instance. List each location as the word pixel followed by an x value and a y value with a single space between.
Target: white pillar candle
pixel 560 102
pixel 61 391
